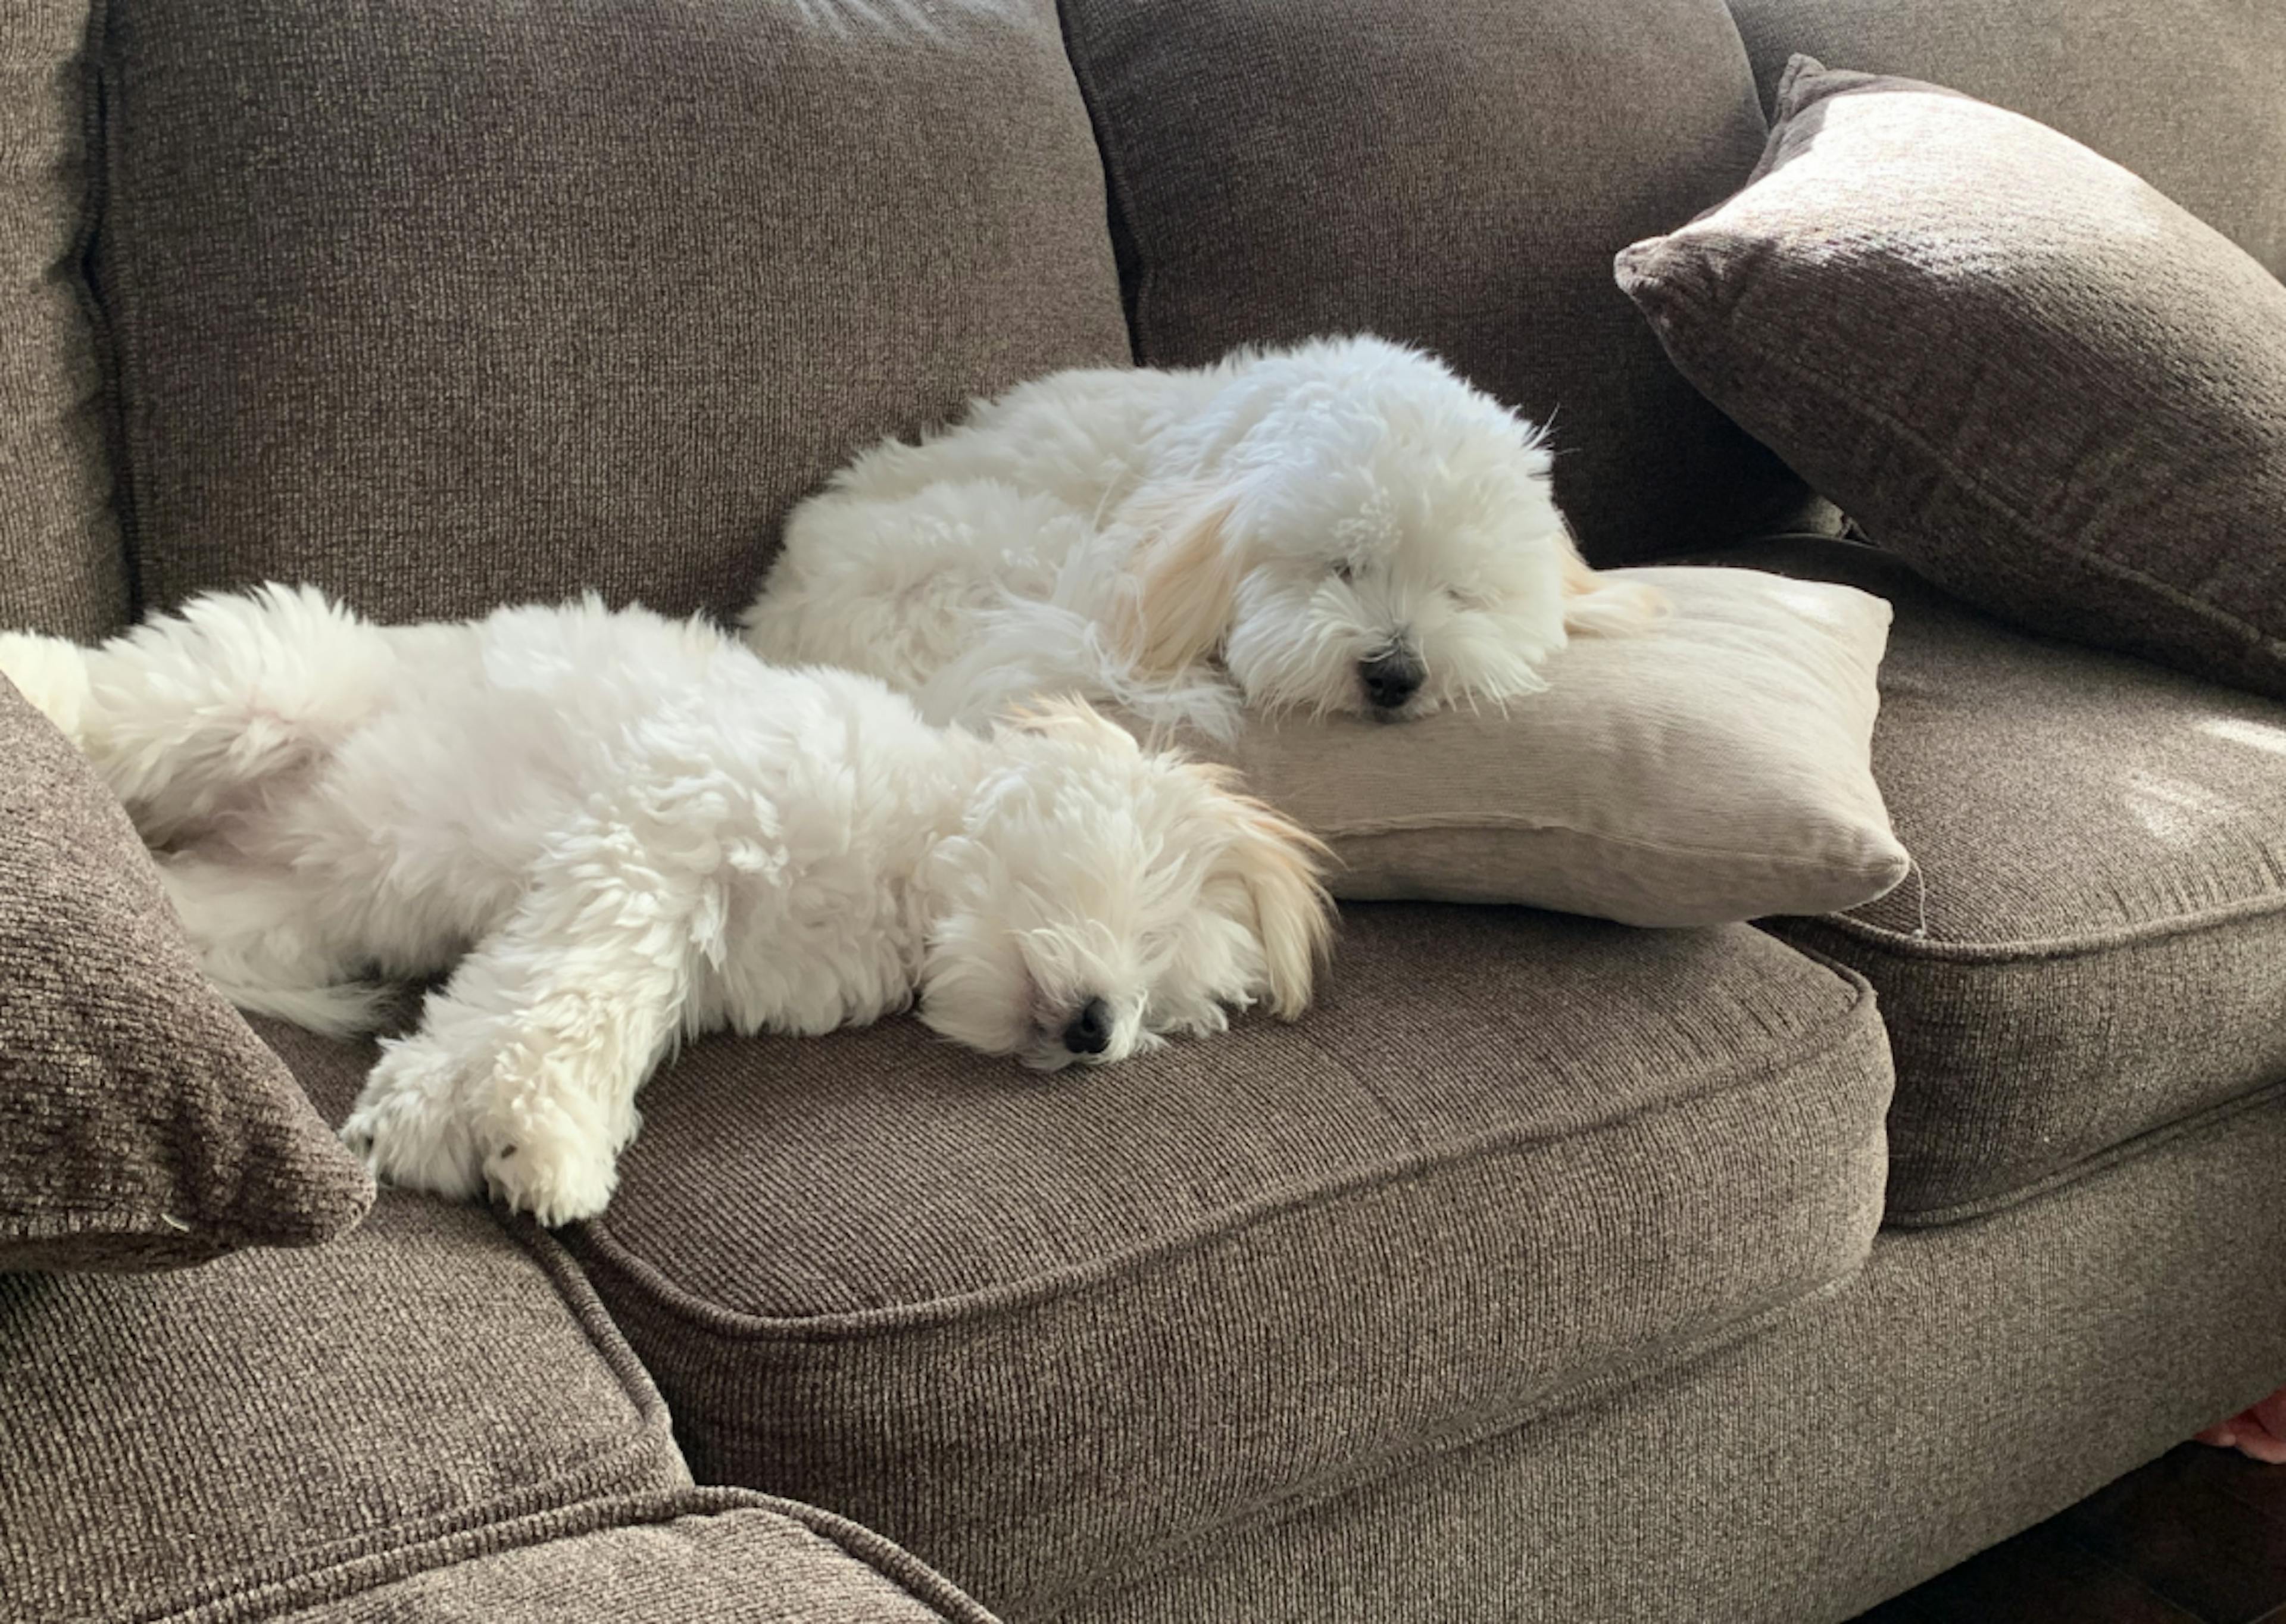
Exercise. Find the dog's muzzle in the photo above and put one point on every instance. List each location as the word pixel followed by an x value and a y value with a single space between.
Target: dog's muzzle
pixel 1391 678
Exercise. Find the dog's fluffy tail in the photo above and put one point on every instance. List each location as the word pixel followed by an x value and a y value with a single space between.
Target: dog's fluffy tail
pixel 57 676
pixel 1602 606
pixel 346 1009
pixel 51 673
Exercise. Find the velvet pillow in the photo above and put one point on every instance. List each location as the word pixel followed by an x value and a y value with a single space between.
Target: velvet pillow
pixel 2047 387
pixel 1717 769
pixel 142 1123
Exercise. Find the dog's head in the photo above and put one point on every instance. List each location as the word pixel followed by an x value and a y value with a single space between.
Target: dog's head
pixel 1101 896
pixel 1384 541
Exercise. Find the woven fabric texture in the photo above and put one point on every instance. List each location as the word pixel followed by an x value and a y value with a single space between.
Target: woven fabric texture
pixel 1854 1446
pixel 2010 361
pixel 698 1556
pixel 2094 944
pixel 1457 176
pixel 1022 1326
pixel 62 566
pixel 279 1427
pixel 142 1123
pixel 2185 96
pixel 448 303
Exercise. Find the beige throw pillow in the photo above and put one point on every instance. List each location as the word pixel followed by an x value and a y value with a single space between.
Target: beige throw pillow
pixel 1717 769
pixel 2018 366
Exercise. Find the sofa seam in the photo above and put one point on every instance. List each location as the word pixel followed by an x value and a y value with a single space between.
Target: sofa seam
pixel 1118 195
pixel 1094 1275
pixel 101 102
pixel 212 1596
pixel 862 1545
pixel 1645 1362
pixel 593 1316
pixel 1906 948
pixel 1635 1372
pixel 350 1577
pixel 653 1429
pixel 2136 1145
pixel 1515 824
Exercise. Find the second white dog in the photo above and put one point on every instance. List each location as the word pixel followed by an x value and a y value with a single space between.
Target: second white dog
pixel 1346 525
pixel 616 831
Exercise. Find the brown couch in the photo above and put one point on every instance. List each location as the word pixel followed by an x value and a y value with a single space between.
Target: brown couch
pixel 1549 1269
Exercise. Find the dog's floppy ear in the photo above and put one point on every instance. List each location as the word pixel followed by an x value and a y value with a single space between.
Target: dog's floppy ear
pixel 1277 861
pixel 1182 577
pixel 1595 604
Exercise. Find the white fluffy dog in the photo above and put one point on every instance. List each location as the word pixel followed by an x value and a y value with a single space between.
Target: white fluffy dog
pixel 618 830
pixel 1345 525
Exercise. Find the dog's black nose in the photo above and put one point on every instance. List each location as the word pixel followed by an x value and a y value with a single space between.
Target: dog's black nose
pixel 1391 678
pixel 1090 1030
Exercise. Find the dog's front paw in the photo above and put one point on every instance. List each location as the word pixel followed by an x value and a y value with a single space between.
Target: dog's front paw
pixel 549 1166
pixel 409 1127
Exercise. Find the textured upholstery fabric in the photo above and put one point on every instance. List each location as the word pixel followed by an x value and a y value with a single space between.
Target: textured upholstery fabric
pixel 2008 359
pixel 688 1556
pixel 447 302
pixel 1456 175
pixel 1967 1382
pixel 1716 768
pixel 1026 1326
pixel 2185 95
pixel 62 568
pixel 2096 943
pixel 142 1123
pixel 287 1427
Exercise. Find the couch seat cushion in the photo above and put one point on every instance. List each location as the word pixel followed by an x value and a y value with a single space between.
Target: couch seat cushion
pixel 2093 946
pixel 1026 1326
pixel 274 1423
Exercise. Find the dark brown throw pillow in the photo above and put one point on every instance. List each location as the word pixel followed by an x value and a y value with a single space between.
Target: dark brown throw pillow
pixel 2051 389
pixel 142 1123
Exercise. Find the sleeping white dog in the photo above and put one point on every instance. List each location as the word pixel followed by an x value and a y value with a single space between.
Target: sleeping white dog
pixel 618 830
pixel 1342 527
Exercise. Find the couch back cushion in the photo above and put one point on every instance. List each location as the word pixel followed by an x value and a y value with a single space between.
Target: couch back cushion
pixel 1456 175
pixel 2187 96
pixel 447 302
pixel 61 566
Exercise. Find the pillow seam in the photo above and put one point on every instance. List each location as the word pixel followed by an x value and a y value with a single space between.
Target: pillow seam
pixel 1381 831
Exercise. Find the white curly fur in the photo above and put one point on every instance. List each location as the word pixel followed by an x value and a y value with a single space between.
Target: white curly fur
pixel 1270 531
pixel 616 831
